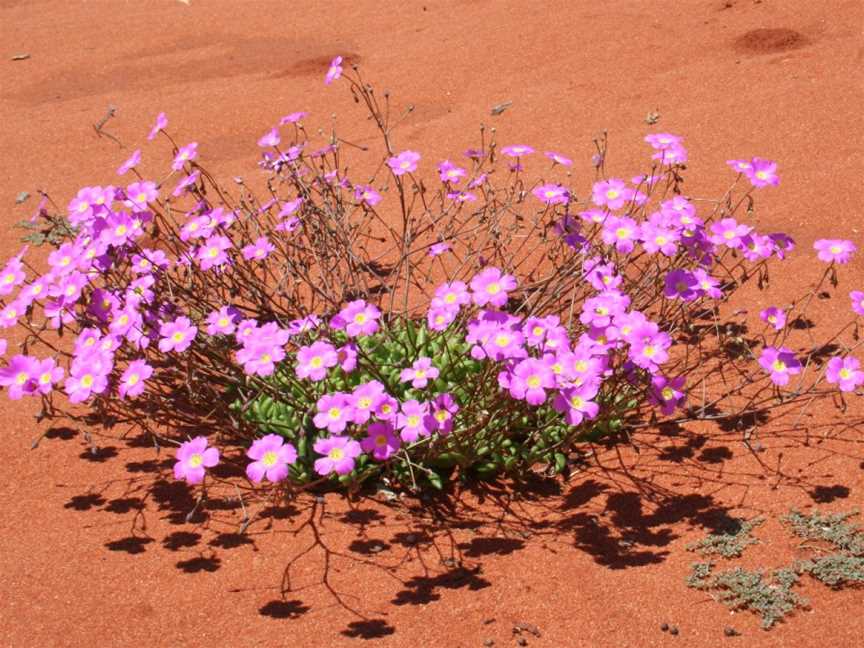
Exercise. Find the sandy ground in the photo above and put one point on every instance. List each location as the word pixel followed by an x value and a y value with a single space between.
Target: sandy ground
pixel 95 549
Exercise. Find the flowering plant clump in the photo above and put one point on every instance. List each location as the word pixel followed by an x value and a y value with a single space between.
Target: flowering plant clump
pixel 396 330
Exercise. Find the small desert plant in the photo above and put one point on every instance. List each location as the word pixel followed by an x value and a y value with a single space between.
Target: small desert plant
pixel 405 329
pixel 729 543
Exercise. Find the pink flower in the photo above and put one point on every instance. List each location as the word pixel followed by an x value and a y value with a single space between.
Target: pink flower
pixel 358 318
pixel 834 250
pixel 490 286
pixel 530 379
pixel 612 193
pixel 161 123
pixel 347 357
pixel 270 138
pixel 193 458
pixel 271 457
pixel 138 194
pixel 440 418
pixel 437 249
pixel 381 442
pixel 663 141
pixel 177 335
pixel 222 321
pixel 667 394
pixel 420 373
pixel 559 159
pixel 438 319
pixel 19 376
pixel 258 250
pixel 762 173
pixel 185 183
pixel 681 284
pixel 451 296
pixel 671 155
pixel 729 233
pixel 133 380
pixel 131 163
pixel 857 297
pixel 213 253
pixel 339 455
pixel 292 118
pixel 314 360
pixel 334 72
pixel 88 375
pixel 405 162
pixel 184 155
pixel 335 412
pixel 844 372
pixel 410 420
pixel 740 166
pixel 774 316
pixel 449 172
pixel 576 403
pixel 552 194
pixel 366 194
pixel 780 364
pixel 517 150
pixel 364 398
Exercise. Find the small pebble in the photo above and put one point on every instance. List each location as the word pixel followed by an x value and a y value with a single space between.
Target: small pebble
pixel 730 632
pixel 664 627
pixel 673 630
pixel 489 642
pixel 522 641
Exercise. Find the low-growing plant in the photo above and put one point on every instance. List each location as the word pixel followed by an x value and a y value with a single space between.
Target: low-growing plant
pixel 406 330
pixel 730 542
pixel 741 589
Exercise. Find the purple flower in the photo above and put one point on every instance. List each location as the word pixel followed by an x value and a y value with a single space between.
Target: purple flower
pixel 364 398
pixel 87 375
pixel 598 311
pixel 530 379
pixel 438 319
pixel 177 335
pixel 133 380
pixel 358 318
pixel 490 286
pixel 303 324
pixel 259 357
pixel 708 284
pixel 649 348
pixel 366 194
pixel 517 150
pixel 339 455
pixel 12 275
pixel 844 372
pixel 663 141
pixel 834 250
pixel 346 356
pixel 313 361
pixel 762 173
pixel 333 73
pixel 386 407
pixel 557 158
pixel 681 284
pixel 449 172
pixel 193 457
pixel 161 123
pixel 857 297
pixel 437 249
pixel 410 420
pixel 780 364
pixel 335 412
pixel 420 373
pixel 552 194
pixel 657 238
pixel 222 321
pixel 576 404
pixel 774 316
pixel 381 441
pixel 405 162
pixel 131 163
pixel 213 253
pixel 667 394
pixel 671 155
pixel 19 376
pixel 138 194
pixel 184 155
pixel 258 250
pixel 729 233
pixel 185 183
pixel 270 138
pixel 451 296
pixel 440 418
pixel 612 193
pixel 292 118
pixel 620 232
pixel 270 458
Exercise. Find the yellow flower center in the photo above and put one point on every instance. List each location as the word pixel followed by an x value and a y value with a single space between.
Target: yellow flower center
pixel 336 453
pixel 316 362
pixel 334 413
pixel 667 393
pixel 132 380
pixel 502 340
pixel 533 382
pixel 196 460
pixel 380 440
pixel 269 459
pixel 222 322
pixel 178 336
pixel 660 240
pixel 21 378
pixel 612 194
pixel 622 232
pixel 413 421
pixel 87 380
pixel 141 197
pixel 779 365
pixel 419 373
pixel 360 318
pixel 845 374
pixel 835 249
pixel 761 174
pixel 364 403
pixel 493 288
pixel 45 378
pixel 649 351
pixel 9 278
pixel 442 415
pixel 576 402
pixel 450 298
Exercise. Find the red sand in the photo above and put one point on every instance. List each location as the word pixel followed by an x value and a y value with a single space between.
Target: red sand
pixel 86 560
